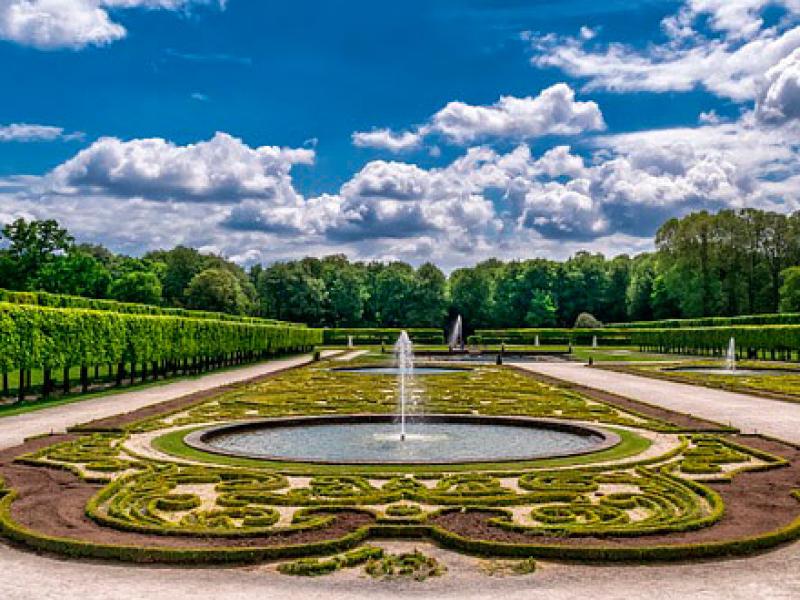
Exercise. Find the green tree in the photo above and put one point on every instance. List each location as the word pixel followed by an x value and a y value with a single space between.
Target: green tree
pixel 287 292
pixel 76 273
pixel 32 245
pixel 427 301
pixel 394 286
pixel 542 310
pixel 136 286
pixel 638 296
pixel 790 290
pixel 216 290
pixel 472 296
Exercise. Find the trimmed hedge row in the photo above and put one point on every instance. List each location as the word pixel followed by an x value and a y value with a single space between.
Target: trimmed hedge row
pixel 66 301
pixel 763 319
pixel 551 336
pixel 381 335
pixel 34 336
pixel 770 341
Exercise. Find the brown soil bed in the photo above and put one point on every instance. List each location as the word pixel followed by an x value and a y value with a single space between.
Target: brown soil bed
pixel 684 421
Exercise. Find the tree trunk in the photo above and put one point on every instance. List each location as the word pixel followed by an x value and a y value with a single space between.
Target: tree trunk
pixel 47 382
pixel 65 383
pixel 21 386
pixel 84 379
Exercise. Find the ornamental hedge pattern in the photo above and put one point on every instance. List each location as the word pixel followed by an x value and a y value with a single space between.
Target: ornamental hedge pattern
pixel 612 497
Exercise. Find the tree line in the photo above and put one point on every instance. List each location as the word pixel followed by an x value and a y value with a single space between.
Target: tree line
pixel 704 265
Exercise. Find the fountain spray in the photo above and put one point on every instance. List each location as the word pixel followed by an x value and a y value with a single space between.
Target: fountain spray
pixel 456 340
pixel 730 356
pixel 404 356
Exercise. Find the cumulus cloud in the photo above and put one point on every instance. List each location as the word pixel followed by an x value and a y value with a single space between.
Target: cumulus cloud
pixel 72 24
pixel 555 111
pixel 780 99
pixel 241 200
pixel 729 60
pixel 485 197
pixel 386 139
pixel 222 169
pixel 26 132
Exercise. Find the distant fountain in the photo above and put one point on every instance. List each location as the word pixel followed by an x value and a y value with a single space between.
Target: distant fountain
pixel 404 356
pixel 349 341
pixel 456 340
pixel 594 341
pixel 536 341
pixel 730 356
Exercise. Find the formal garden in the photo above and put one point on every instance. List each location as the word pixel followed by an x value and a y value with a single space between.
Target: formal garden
pixel 154 486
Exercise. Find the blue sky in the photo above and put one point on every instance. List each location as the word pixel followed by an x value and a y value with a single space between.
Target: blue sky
pixel 376 129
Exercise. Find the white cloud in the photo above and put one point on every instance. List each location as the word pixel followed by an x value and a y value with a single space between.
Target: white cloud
pixel 26 132
pixel 780 99
pixel 555 111
pixel 729 62
pixel 72 24
pixel 222 169
pixel 386 139
pixel 240 200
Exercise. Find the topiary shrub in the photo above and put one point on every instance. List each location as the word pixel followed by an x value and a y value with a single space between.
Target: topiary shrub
pixel 410 565
pixel 587 320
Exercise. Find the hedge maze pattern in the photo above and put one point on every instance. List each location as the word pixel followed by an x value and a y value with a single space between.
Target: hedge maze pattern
pixel 661 494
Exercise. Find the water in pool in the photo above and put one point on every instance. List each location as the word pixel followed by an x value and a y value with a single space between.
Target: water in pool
pixel 426 442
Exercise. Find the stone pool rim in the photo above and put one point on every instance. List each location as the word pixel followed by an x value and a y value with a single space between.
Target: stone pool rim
pixel 199 439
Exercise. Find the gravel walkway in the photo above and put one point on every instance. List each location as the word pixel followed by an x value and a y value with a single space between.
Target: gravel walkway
pixel 14 429
pixel 772 576
pixel 750 414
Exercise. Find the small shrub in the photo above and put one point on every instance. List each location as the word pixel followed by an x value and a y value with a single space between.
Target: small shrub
pixel 587 320
pixel 409 565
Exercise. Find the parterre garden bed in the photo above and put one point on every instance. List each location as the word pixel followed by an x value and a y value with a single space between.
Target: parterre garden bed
pixel 128 488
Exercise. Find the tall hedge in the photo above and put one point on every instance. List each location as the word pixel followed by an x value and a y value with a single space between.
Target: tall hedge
pixel 66 301
pixel 770 340
pixel 553 336
pixel 763 319
pixel 34 336
pixel 380 335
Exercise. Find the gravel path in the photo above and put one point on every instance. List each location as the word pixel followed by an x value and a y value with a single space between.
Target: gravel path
pixel 749 413
pixel 14 429
pixel 774 576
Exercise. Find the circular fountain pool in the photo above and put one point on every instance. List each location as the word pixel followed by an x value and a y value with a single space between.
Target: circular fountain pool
pixel 375 439
pixel 397 371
